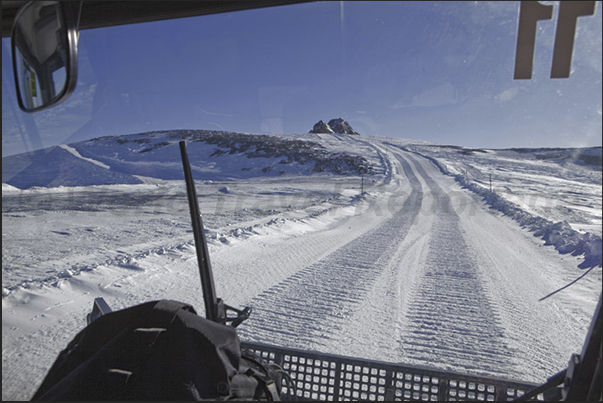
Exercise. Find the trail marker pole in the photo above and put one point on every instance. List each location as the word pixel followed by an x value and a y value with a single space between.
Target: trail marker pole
pixel 361 184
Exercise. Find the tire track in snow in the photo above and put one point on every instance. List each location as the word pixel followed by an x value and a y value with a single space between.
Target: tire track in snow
pixel 308 308
pixel 452 321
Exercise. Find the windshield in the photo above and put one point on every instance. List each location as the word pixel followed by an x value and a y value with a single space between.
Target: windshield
pixel 374 182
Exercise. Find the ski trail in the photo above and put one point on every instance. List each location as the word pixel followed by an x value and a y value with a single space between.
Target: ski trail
pixel 451 318
pixel 308 309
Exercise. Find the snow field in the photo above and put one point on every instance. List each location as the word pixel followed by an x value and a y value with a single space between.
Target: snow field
pixel 416 270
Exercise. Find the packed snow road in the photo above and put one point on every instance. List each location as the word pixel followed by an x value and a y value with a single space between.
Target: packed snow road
pixel 309 306
pixel 451 317
pixel 416 271
pixel 442 282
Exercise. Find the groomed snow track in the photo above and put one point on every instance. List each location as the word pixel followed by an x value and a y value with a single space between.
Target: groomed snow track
pixel 449 317
pixel 310 305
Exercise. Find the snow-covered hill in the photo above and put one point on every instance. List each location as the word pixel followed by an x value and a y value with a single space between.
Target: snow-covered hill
pixel 213 155
pixel 391 249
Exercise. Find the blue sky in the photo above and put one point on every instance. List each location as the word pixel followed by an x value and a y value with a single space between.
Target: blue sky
pixel 440 72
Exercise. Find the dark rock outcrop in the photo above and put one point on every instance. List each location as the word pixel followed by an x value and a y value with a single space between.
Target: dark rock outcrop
pixel 334 126
pixel 321 127
pixel 341 126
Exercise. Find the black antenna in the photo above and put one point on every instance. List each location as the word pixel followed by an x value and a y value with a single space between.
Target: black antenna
pixel 215 309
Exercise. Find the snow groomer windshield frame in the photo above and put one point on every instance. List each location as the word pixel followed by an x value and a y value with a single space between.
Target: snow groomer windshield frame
pixel 401 200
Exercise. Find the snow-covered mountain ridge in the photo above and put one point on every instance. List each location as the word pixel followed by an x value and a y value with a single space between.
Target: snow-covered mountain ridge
pixel 214 155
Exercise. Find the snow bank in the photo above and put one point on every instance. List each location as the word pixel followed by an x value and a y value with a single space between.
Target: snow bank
pixel 559 234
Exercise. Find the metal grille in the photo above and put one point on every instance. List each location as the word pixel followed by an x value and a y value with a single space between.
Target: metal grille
pixel 329 377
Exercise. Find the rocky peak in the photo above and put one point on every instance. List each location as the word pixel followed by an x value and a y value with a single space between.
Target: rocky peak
pixel 334 126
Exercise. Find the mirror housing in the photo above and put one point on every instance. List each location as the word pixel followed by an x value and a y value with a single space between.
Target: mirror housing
pixel 44 51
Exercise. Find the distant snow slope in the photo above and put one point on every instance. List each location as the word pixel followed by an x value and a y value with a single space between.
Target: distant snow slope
pixel 57 166
pixel 417 269
pixel 78 155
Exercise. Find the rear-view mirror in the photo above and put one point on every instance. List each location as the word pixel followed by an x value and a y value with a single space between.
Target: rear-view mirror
pixel 44 51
